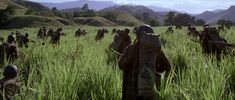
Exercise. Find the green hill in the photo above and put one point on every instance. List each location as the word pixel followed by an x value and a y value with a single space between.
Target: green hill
pixel 128 20
pixel 65 21
pixel 20 10
pixel 94 21
pixel 121 18
pixel 33 21
pixel 31 14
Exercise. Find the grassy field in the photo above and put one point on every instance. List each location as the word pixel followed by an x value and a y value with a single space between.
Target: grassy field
pixel 77 69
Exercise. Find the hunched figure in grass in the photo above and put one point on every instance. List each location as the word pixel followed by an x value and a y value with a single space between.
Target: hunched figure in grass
pixel 178 26
pixel 99 35
pixel 9 85
pixel 212 42
pixel 9 49
pixel 55 38
pixel 170 30
pixel 121 41
pixel 141 63
pixel 24 40
pixel 78 33
pixel 193 32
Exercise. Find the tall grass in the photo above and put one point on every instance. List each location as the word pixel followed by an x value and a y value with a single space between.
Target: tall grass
pixel 78 69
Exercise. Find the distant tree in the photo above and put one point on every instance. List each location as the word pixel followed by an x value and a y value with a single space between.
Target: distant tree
pixel 154 22
pixel 148 19
pixel 170 18
pixel 200 22
pixel 84 12
pixel 179 19
pixel 184 19
pixel 224 22
pixel 85 7
pixel 54 9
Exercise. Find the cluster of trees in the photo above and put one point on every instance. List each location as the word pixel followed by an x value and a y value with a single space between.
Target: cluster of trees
pixel 6 14
pixel 148 19
pixel 225 22
pixel 61 14
pixel 182 19
pixel 49 13
pixel 84 12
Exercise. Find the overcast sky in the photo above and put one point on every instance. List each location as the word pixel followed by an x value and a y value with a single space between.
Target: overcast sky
pixel 190 6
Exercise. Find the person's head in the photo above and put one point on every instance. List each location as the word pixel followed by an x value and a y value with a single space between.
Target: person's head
pixel 11 38
pixel 12 33
pixel 123 32
pixel 212 30
pixel 205 27
pixel 189 24
pixel 141 30
pixel 60 29
pixel 10 71
pixel 26 35
pixel 127 30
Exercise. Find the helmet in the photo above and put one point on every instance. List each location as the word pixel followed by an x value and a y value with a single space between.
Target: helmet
pixel 10 71
pixel 144 28
pixel 127 30
pixel 10 38
pixel 206 27
pixel 26 34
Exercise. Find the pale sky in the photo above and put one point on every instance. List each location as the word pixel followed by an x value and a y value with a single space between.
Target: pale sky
pixel 191 6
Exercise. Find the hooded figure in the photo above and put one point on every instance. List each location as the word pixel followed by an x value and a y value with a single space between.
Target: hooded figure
pixel 139 61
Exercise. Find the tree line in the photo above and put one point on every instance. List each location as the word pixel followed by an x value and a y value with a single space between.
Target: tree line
pixel 173 18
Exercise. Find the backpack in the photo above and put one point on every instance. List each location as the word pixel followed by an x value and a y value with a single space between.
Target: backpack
pixel 215 37
pixel 120 42
pixel 150 48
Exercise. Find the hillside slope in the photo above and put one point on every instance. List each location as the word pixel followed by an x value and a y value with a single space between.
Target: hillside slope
pixel 32 21
pixel 94 21
pixel 136 11
pixel 213 17
pixel 20 10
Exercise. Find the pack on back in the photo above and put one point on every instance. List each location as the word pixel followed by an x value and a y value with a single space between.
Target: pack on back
pixel 214 35
pixel 116 42
pixel 150 48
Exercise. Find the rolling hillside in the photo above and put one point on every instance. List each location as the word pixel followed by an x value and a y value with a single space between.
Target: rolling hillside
pixel 121 18
pixel 20 10
pixel 213 17
pixel 32 21
pixel 40 15
pixel 94 21
pixel 136 11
